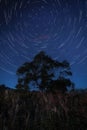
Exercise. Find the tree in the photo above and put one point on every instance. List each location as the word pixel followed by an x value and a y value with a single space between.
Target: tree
pixel 44 73
pixel 61 84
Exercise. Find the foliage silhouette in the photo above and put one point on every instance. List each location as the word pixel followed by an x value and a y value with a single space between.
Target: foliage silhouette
pixel 44 73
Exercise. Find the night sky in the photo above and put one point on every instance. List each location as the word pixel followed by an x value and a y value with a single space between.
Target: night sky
pixel 58 27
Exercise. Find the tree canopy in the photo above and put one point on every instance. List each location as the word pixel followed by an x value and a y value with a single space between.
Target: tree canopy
pixel 44 73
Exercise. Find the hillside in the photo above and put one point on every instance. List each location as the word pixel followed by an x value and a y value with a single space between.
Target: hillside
pixel 20 110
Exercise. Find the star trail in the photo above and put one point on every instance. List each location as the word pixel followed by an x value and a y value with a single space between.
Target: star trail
pixel 58 27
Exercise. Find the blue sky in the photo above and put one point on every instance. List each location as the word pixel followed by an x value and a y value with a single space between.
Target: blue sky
pixel 58 27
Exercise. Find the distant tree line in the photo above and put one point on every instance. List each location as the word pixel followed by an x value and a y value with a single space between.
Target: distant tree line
pixel 45 73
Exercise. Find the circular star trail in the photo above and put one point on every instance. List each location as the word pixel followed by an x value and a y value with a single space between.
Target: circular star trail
pixel 58 27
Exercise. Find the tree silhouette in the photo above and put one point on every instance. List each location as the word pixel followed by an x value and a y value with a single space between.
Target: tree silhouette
pixel 44 73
